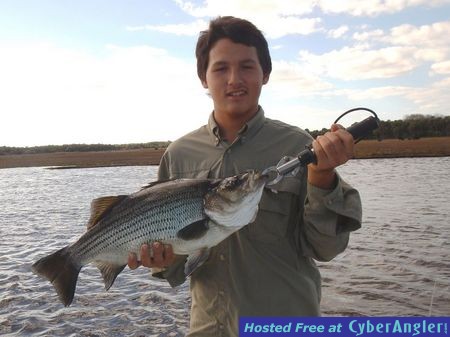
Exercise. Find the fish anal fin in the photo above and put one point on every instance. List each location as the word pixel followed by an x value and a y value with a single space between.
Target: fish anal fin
pixel 194 230
pixel 109 272
pixel 100 206
pixel 195 260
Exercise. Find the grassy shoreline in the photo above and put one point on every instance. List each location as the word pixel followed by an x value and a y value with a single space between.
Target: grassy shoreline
pixel 389 148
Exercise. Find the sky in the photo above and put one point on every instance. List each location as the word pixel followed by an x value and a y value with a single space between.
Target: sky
pixel 117 72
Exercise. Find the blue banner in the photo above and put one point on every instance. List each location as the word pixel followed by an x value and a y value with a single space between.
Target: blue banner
pixel 344 326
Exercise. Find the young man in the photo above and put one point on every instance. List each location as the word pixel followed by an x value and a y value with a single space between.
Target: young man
pixel 267 268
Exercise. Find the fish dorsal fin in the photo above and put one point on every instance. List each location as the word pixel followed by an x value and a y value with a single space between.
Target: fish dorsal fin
pixel 156 182
pixel 100 206
pixel 194 231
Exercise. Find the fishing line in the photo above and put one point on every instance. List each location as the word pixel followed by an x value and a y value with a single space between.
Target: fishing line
pixel 369 121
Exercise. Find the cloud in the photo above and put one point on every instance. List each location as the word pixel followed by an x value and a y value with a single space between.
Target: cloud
pixel 280 18
pixel 188 29
pixel 273 27
pixel 431 42
pixel 290 79
pixel 378 54
pixel 432 99
pixel 338 32
pixel 441 68
pixel 366 36
pixel 275 18
pixel 373 7
pixel 358 63
pixel 248 8
pixel 54 95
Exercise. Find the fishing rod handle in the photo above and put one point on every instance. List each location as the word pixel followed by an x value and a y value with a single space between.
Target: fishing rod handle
pixel 361 129
pixel 358 130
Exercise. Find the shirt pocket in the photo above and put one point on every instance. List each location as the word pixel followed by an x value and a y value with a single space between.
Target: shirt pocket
pixel 277 210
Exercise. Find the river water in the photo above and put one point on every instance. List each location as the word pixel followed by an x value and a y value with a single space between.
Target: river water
pixel 398 264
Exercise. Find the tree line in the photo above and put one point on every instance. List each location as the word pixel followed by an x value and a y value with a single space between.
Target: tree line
pixel 411 127
pixel 4 150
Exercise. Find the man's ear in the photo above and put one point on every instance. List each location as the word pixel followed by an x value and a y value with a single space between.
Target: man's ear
pixel 266 78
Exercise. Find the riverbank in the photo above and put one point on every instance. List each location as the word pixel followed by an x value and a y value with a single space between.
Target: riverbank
pixel 389 148
pixel 396 148
pixel 137 157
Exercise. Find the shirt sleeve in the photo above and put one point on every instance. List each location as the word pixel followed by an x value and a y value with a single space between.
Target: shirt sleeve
pixel 329 217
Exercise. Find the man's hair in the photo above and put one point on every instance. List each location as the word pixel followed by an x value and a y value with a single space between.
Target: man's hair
pixel 238 31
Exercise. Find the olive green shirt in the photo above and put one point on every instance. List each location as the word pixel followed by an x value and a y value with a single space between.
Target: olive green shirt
pixel 266 268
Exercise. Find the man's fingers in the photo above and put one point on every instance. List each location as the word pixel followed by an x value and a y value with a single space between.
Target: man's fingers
pixel 326 151
pixel 347 141
pixel 169 256
pixel 133 262
pixel 158 255
pixel 335 127
pixel 146 259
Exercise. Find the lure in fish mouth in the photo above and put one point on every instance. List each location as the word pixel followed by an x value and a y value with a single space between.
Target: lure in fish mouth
pixel 192 215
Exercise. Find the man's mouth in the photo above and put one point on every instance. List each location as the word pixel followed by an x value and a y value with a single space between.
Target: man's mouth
pixel 237 93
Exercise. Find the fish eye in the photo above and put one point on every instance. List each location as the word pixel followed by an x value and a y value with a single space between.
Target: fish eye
pixel 232 183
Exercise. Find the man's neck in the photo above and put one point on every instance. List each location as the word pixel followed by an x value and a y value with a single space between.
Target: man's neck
pixel 230 127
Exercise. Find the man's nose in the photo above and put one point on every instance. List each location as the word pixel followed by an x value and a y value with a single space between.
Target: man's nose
pixel 235 77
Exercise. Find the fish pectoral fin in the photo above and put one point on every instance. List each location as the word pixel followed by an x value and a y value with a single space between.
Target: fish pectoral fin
pixel 194 231
pixel 109 272
pixel 195 260
pixel 100 206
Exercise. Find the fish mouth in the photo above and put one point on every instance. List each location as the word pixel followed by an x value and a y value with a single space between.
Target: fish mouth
pixel 252 180
pixel 237 186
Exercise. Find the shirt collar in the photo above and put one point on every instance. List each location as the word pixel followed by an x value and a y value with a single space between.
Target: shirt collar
pixel 247 131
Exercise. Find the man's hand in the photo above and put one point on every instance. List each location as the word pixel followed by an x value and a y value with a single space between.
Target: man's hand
pixel 332 149
pixel 162 256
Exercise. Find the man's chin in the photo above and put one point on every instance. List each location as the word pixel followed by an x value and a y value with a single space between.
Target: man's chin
pixel 241 110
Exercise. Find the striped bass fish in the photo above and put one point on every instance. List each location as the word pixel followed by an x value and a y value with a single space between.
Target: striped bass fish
pixel 190 214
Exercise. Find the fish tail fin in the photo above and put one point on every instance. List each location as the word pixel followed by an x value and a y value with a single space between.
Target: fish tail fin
pixel 62 271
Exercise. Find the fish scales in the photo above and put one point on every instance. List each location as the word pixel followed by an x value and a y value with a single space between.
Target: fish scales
pixel 141 217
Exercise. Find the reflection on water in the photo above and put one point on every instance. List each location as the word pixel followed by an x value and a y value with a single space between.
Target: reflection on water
pixel 397 264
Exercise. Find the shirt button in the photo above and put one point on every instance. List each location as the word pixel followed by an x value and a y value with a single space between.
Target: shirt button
pixel 222 257
pixel 221 292
pixel 221 326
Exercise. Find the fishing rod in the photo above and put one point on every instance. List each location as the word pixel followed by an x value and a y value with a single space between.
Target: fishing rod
pixel 290 166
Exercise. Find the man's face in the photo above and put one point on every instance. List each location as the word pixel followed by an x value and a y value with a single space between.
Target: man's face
pixel 234 78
